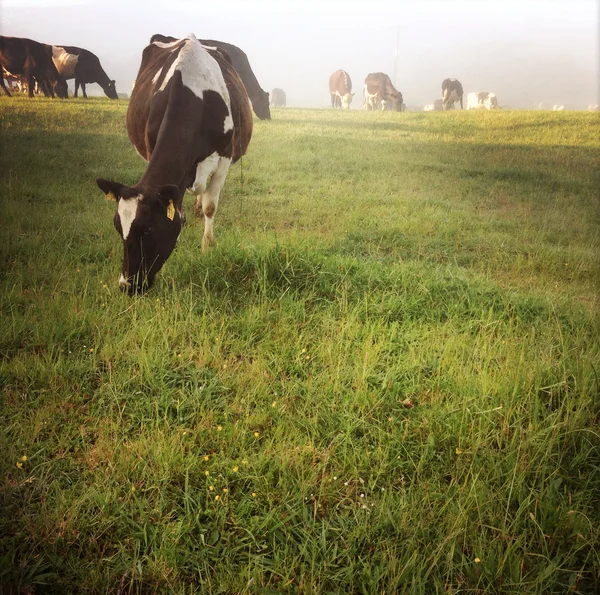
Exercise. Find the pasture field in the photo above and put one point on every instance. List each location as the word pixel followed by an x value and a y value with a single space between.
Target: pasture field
pixel 383 378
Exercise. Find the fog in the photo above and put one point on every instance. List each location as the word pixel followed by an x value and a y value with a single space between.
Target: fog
pixel 527 52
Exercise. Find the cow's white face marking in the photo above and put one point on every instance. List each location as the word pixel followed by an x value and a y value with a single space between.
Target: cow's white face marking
pixel 346 100
pixel 127 210
pixel 65 63
pixel 200 72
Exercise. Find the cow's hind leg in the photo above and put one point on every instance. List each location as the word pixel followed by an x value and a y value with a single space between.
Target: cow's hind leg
pixel 210 200
pixel 83 91
pixel 207 194
pixel 4 86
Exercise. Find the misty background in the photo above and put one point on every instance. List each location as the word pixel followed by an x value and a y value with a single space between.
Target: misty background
pixel 527 52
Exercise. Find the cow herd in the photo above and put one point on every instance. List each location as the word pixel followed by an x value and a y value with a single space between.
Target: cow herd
pixel 29 65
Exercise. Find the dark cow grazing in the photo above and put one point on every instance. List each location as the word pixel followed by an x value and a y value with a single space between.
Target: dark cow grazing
pixel 84 67
pixel 239 60
pixel 452 92
pixel 340 88
pixel 33 60
pixel 189 117
pixel 278 98
pixel 380 93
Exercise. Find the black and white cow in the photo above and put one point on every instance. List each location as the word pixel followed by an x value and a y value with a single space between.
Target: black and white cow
pixel 340 88
pixel 239 60
pixel 278 98
pixel 452 91
pixel 189 117
pixel 380 93
pixel 84 67
pixel 33 60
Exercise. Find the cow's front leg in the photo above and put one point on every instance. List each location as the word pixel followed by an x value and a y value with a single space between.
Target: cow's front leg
pixel 83 91
pixel 76 88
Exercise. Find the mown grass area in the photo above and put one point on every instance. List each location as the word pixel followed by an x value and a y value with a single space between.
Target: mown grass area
pixel 383 379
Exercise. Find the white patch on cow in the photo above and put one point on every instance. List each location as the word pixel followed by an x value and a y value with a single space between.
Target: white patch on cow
pixel 127 210
pixel 200 72
pixel 123 283
pixel 65 63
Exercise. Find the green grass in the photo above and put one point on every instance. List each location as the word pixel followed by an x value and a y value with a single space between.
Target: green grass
pixel 389 361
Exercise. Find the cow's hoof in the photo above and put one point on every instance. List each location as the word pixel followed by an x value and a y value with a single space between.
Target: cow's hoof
pixel 198 212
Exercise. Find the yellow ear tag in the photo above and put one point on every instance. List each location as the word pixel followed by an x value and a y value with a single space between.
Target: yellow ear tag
pixel 111 196
pixel 171 211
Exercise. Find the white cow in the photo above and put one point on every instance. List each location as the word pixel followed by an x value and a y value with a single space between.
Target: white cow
pixel 429 108
pixel 482 100
pixel 594 107
pixel 558 108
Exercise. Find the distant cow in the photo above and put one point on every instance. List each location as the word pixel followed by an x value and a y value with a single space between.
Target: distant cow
pixel 278 98
pixel 429 107
pixel 33 60
pixel 594 107
pixel 189 116
pixel 340 88
pixel 482 100
pixel 239 60
pixel 379 92
pixel 452 91
pixel 558 108
pixel 84 67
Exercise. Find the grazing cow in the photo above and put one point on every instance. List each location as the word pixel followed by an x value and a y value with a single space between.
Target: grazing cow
pixel 558 108
pixel 33 60
pixel 278 98
pixel 340 88
pixel 84 67
pixel 594 107
pixel 239 60
pixel 482 100
pixel 452 91
pixel 189 116
pixel 379 91
pixel 429 108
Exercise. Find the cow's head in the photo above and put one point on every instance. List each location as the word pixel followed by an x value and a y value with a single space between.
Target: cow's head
pixel 149 223
pixel 261 106
pixel 110 90
pixel 347 100
pixel 399 102
pixel 60 87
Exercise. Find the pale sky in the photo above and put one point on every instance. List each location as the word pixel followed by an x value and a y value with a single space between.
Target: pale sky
pixel 526 51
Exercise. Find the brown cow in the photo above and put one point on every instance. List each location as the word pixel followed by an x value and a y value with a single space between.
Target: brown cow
pixel 380 93
pixel 340 88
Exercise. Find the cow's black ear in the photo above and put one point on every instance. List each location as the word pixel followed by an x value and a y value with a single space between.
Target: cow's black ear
pixel 170 192
pixel 112 190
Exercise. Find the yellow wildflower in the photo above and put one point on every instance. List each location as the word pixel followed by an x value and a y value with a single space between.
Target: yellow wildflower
pixel 19 465
pixel 477 560
pixel 205 457
pixel 256 434
pixel 24 458
pixel 254 494
pixel 207 473
pixel 236 469
pixel 211 488
pixel 219 428
pixel 225 490
pixel 458 451
pixel 217 497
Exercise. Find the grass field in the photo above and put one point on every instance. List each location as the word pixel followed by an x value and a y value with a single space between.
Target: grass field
pixel 383 378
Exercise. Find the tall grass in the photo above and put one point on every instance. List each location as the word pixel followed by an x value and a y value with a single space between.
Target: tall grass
pixel 383 379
